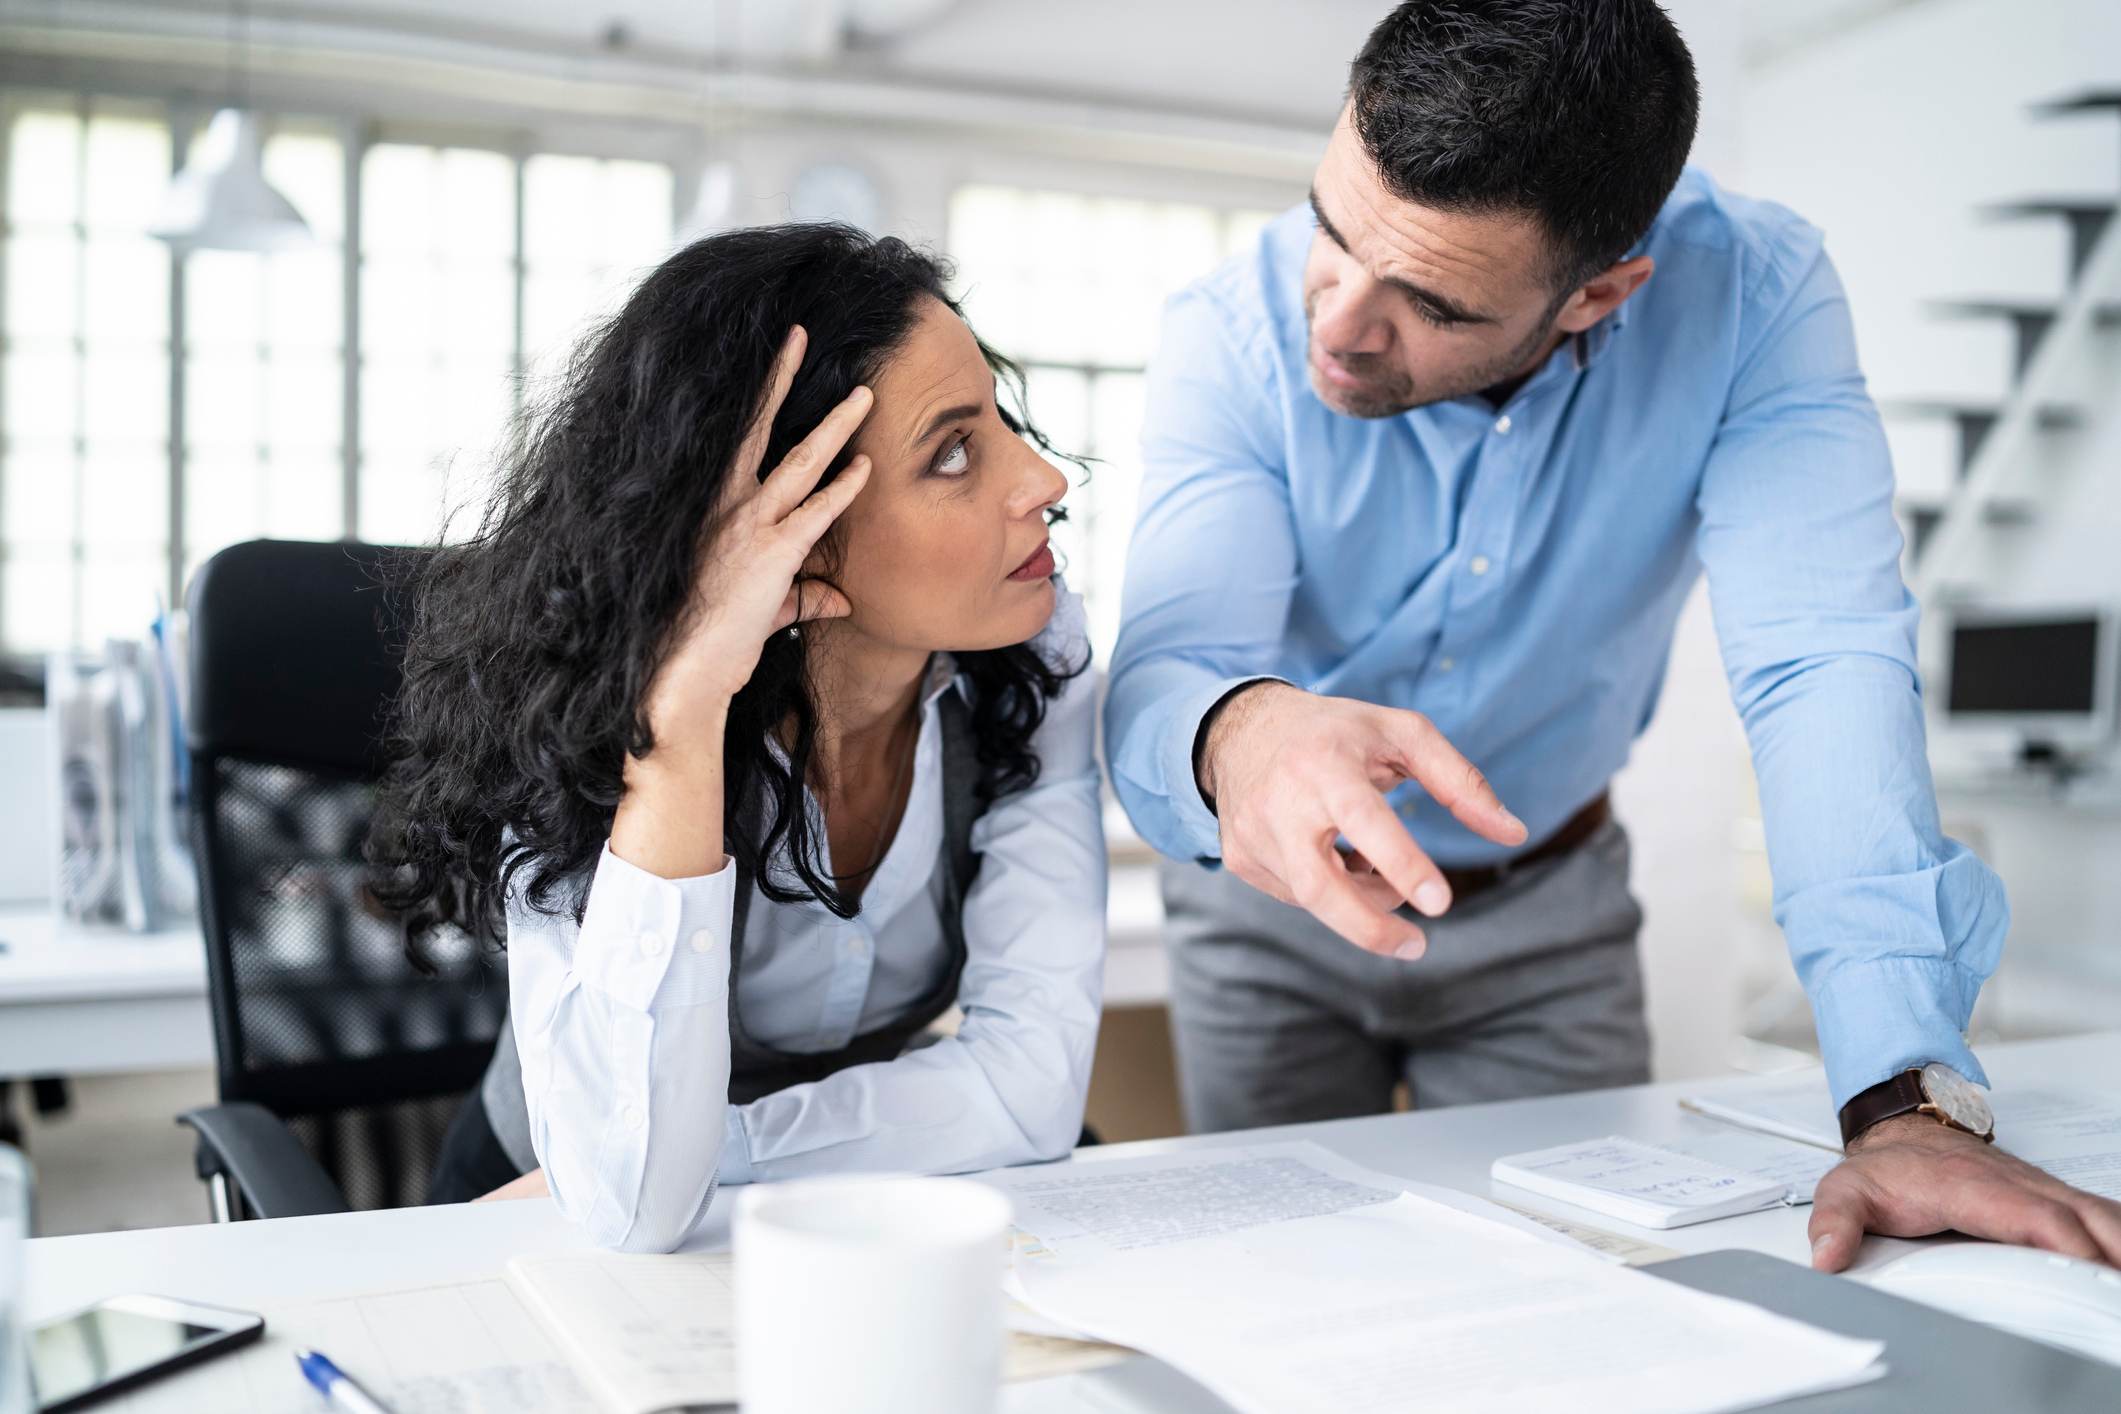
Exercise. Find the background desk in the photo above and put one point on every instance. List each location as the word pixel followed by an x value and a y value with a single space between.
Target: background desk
pixel 261 1263
pixel 85 1001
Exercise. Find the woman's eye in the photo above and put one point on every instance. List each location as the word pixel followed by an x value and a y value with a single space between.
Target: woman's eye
pixel 957 460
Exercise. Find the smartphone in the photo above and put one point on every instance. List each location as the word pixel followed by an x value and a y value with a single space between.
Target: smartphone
pixel 125 1341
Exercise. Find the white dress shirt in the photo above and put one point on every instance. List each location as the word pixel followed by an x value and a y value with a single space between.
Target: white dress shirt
pixel 623 1029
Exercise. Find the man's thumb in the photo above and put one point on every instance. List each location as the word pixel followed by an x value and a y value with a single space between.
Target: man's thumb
pixel 1836 1231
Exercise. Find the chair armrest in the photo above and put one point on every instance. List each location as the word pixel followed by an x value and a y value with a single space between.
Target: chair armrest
pixel 251 1146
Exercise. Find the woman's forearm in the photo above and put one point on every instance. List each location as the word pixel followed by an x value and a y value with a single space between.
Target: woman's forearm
pixel 669 820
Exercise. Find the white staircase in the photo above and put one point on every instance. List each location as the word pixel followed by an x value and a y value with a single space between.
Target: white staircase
pixel 2003 445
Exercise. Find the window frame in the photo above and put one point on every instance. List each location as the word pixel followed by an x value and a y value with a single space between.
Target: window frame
pixel 185 118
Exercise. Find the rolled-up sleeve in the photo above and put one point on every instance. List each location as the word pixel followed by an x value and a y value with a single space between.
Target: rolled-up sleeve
pixel 1193 629
pixel 1892 926
pixel 622 1023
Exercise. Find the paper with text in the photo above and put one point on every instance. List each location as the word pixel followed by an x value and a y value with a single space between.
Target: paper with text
pixel 460 1348
pixel 1356 1305
pixel 1639 1183
pixel 1796 1165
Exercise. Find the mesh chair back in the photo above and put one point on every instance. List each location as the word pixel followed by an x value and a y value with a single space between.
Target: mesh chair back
pixel 318 1016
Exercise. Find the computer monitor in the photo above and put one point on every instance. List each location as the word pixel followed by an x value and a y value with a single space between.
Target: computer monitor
pixel 2047 674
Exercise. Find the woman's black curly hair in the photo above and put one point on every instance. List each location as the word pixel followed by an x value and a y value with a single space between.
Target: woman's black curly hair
pixel 532 645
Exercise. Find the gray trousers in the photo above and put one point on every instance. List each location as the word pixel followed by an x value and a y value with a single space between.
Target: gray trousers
pixel 1533 987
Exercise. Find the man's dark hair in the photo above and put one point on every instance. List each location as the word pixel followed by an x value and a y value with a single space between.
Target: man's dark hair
pixel 1579 113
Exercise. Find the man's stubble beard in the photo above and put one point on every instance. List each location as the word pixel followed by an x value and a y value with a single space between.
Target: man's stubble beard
pixel 1400 395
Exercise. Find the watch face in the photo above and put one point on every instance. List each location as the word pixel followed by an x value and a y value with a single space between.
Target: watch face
pixel 1960 1100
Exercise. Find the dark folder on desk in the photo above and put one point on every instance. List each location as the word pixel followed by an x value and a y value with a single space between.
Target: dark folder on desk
pixel 1935 1362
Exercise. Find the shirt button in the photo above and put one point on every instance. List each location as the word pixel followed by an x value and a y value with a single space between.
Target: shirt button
pixel 852 947
pixel 1479 564
pixel 651 945
pixel 631 1116
pixel 1445 665
pixel 1502 424
pixel 703 941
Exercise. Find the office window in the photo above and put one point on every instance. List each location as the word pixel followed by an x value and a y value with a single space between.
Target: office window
pixel 1072 287
pixel 471 263
pixel 438 332
pixel 591 229
pixel 84 469
pixel 264 391
pixel 445 353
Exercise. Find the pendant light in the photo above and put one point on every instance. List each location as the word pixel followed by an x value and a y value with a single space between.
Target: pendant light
pixel 221 200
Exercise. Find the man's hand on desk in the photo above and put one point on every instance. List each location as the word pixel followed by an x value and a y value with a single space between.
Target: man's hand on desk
pixel 1288 773
pixel 1910 1176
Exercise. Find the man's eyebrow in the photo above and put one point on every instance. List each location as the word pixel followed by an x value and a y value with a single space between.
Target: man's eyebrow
pixel 1445 308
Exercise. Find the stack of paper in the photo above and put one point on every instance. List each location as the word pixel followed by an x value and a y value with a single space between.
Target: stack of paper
pixel 1640 1183
pixel 1285 1279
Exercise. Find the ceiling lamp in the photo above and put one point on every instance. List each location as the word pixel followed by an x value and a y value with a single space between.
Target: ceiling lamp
pixel 221 200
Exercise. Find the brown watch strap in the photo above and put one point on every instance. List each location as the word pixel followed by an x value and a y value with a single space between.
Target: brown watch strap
pixel 1898 1096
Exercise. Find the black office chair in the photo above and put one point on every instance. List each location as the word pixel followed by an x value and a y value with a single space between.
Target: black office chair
pixel 339 1064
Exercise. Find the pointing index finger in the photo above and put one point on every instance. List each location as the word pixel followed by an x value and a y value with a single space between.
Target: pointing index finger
pixel 1457 783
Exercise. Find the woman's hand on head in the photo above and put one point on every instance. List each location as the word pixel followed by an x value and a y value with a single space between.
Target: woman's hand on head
pixel 749 585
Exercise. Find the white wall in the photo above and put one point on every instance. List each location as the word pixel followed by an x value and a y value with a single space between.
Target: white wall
pixel 1885 130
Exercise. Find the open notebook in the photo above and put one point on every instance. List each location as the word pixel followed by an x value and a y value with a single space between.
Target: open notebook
pixel 647 1334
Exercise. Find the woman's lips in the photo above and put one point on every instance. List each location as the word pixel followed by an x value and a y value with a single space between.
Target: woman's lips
pixel 1039 566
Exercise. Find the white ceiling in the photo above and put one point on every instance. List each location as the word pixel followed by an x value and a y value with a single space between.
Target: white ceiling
pixel 1262 59
pixel 1274 64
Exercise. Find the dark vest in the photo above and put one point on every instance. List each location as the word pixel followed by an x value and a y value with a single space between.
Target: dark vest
pixel 756 1069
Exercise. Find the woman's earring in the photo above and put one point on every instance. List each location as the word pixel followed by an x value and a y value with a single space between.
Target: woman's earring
pixel 794 632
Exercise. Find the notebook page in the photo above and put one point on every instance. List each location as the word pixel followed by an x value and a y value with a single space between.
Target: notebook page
pixel 656 1332
pixel 1637 1174
pixel 646 1333
pixel 459 1348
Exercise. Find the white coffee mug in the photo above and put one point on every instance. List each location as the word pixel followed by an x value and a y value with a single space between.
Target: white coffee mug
pixel 870 1295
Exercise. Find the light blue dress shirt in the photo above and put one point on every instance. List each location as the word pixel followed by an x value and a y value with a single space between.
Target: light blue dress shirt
pixel 1515 573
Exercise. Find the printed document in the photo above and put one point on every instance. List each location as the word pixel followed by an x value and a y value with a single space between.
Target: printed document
pixel 1645 1184
pixel 1286 1279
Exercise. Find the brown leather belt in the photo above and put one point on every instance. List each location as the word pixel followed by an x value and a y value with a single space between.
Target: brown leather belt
pixel 1573 834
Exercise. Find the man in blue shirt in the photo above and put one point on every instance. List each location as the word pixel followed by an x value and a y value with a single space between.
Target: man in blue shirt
pixel 1428 477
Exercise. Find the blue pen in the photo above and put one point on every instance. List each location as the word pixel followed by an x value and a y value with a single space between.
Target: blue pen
pixel 336 1385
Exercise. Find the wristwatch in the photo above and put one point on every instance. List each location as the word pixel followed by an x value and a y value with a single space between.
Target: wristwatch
pixel 1935 1090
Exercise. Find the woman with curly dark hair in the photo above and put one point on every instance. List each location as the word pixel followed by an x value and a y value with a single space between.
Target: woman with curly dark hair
pixel 754 719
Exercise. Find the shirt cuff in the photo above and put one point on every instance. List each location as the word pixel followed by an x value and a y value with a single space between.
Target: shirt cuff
pixel 1201 831
pixel 736 1149
pixel 649 941
pixel 1886 1015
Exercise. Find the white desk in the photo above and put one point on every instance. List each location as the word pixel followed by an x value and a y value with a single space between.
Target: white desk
pixel 86 1001
pixel 83 1001
pixel 260 1263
